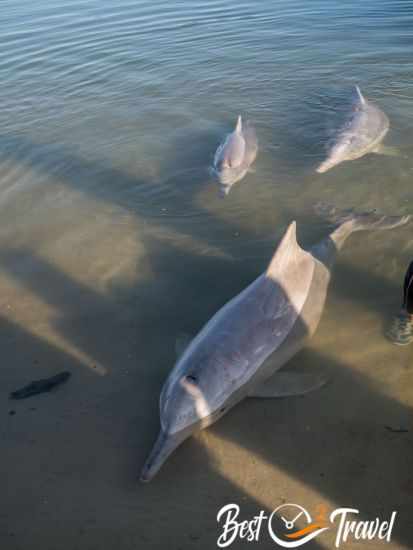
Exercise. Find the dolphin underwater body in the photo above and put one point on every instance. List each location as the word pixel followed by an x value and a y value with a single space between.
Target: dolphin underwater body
pixel 239 351
pixel 235 155
pixel 363 133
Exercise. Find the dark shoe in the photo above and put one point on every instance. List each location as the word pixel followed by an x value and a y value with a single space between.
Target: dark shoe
pixel 401 329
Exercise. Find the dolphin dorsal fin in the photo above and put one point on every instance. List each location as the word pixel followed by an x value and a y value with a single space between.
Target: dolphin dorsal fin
pixel 291 266
pixel 286 249
pixel 238 127
pixel 360 96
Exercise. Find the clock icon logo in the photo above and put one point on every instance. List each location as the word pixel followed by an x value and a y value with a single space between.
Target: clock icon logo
pixel 291 526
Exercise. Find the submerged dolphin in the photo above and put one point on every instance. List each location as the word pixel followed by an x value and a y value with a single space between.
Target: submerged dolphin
pixel 235 155
pixel 271 318
pixel 363 133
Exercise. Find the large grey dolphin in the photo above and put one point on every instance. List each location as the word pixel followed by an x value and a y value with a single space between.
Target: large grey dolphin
pixel 239 351
pixel 235 155
pixel 362 133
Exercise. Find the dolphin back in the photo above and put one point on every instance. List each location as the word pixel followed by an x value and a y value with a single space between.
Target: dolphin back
pixel 232 151
pixel 235 155
pixel 231 347
pixel 221 363
pixel 362 133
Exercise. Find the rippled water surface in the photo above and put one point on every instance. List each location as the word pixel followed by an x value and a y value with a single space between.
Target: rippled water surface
pixel 113 237
pixel 123 103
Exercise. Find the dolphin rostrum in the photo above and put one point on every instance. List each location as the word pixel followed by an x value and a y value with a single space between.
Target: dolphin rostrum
pixel 270 319
pixel 235 155
pixel 363 133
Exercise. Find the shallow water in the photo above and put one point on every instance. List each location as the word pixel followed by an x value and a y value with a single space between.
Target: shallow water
pixel 114 240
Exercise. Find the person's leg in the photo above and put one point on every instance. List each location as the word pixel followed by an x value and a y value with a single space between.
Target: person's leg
pixel 401 330
pixel 408 290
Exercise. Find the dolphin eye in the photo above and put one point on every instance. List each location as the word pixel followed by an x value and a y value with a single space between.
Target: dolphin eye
pixel 191 378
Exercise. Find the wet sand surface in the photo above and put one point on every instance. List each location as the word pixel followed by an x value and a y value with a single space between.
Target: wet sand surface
pixel 114 241
pixel 108 308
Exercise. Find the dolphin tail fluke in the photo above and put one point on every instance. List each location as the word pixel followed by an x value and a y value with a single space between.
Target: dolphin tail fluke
pixel 348 221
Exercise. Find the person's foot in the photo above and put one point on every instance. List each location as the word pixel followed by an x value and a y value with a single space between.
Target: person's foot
pixel 401 329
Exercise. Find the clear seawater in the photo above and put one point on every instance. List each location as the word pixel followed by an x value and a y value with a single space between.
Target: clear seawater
pixel 113 237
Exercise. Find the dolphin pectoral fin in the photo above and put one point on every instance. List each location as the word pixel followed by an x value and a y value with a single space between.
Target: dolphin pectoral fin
pixel 181 343
pixel 388 151
pixel 289 383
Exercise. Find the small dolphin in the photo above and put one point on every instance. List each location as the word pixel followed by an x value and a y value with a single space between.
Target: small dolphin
pixel 271 319
pixel 235 155
pixel 363 133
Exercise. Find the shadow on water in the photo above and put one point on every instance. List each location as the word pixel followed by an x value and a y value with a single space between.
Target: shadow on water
pixel 347 455
pixel 143 198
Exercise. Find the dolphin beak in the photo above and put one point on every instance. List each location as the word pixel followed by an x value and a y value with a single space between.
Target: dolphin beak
pixel 329 163
pixel 223 190
pixel 324 166
pixel 164 446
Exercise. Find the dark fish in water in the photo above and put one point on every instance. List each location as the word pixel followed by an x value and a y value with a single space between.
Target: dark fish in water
pixel 41 386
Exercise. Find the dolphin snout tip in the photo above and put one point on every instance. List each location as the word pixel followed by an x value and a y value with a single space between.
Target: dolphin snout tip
pixel 164 446
pixel 151 467
pixel 322 168
pixel 223 191
pixel 145 477
pixel 149 470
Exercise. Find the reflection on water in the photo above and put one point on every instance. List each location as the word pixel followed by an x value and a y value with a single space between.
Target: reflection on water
pixel 113 237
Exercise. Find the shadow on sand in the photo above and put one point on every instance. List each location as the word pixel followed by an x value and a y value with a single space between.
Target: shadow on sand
pixel 72 462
